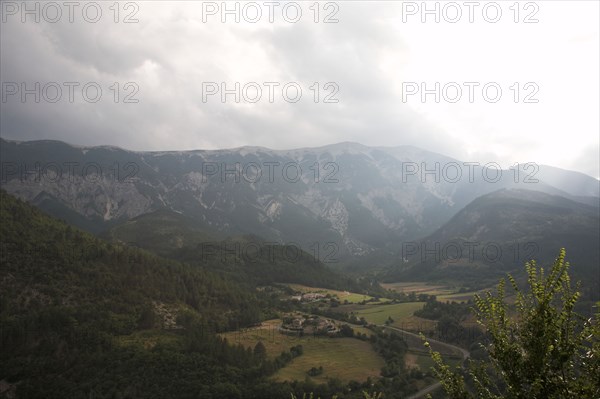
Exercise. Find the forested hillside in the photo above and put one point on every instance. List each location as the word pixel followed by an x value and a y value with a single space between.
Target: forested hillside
pixel 74 306
pixel 248 259
pixel 498 232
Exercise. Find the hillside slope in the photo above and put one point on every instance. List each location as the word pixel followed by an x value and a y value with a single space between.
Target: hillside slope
pixel 82 317
pixel 499 232
pixel 248 259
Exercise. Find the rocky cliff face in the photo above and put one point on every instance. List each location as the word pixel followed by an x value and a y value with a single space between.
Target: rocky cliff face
pixel 360 198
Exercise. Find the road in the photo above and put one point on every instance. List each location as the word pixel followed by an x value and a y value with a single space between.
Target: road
pixel 436 385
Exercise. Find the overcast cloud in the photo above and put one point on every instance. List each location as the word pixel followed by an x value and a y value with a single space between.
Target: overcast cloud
pixel 170 54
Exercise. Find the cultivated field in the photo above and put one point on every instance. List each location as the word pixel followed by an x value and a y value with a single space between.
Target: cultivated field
pixel 342 296
pixel 458 297
pixel 379 314
pixel 343 358
pixel 420 360
pixel 418 288
pixel 442 292
pixel 423 361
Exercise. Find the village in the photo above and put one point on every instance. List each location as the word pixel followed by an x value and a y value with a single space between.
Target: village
pixel 309 297
pixel 301 324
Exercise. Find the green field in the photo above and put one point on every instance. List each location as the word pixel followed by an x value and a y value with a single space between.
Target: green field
pixel 378 314
pixel 343 358
pixel 423 361
pixel 457 297
pixel 420 360
pixel 342 296
pixel 442 292
pixel 418 287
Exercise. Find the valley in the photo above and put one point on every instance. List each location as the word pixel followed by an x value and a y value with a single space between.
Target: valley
pixel 299 199
pixel 245 289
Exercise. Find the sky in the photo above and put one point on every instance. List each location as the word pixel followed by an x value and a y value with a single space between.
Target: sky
pixel 486 82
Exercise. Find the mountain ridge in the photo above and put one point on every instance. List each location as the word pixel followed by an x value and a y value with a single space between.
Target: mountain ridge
pixel 363 199
pixel 336 145
pixel 499 232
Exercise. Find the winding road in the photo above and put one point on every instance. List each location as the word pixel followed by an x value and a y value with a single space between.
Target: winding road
pixel 430 388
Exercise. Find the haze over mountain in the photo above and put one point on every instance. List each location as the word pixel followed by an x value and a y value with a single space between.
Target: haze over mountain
pixel 498 233
pixel 360 199
pixel 267 200
pixel 232 234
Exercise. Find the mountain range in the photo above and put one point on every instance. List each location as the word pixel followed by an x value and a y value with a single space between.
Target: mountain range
pixel 340 202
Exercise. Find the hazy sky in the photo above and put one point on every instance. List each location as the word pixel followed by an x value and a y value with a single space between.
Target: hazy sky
pixel 374 61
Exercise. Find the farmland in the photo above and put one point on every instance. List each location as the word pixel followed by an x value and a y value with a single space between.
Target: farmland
pixel 418 288
pixel 442 292
pixel 342 296
pixel 343 358
pixel 379 314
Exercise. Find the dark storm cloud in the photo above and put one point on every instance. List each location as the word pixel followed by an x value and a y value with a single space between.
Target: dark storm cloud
pixel 170 53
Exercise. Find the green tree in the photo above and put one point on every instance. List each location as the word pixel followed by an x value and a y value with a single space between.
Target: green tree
pixel 260 351
pixel 543 350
